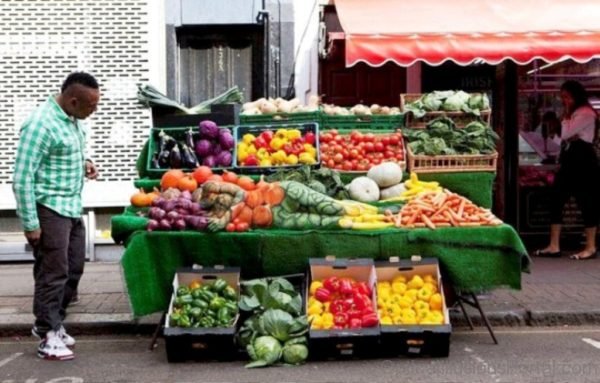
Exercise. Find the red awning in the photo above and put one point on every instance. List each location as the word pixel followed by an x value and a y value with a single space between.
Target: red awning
pixel 467 31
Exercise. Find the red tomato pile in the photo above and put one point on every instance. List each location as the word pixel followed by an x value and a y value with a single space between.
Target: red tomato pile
pixel 359 151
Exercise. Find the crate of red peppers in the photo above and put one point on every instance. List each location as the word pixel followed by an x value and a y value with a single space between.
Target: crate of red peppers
pixel 341 308
pixel 357 151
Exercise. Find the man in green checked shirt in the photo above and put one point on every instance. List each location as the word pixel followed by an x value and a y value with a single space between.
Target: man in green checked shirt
pixel 49 172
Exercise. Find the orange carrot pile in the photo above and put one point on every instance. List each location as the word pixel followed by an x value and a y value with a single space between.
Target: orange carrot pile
pixel 443 209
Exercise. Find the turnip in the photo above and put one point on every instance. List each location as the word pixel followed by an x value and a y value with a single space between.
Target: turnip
pixel 152 225
pixel 196 223
pixel 169 205
pixel 186 195
pixel 156 213
pixel 164 224
pixel 173 215
pixel 179 224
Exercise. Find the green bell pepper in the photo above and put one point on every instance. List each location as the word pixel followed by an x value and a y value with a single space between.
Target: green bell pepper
pixel 229 293
pixel 223 317
pixel 219 285
pixel 186 299
pixel 211 314
pixel 200 303
pixel 231 306
pixel 216 303
pixel 196 312
pixel 206 295
pixel 174 319
pixel 196 293
pixel 183 290
pixel 207 322
pixel 184 321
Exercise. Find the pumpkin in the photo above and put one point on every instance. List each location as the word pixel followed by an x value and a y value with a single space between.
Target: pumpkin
pixel 201 174
pixel 273 194
pixel 386 174
pixel 171 178
pixel 392 191
pixel 230 177
pixel 187 183
pixel 262 216
pixel 142 199
pixel 246 183
pixel 254 198
pixel 245 215
pixel 363 189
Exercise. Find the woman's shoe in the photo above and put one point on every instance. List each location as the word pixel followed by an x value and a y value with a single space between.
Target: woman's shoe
pixel 547 254
pixel 578 258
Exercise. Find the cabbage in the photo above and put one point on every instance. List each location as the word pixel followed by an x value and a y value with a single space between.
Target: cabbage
pixel 456 102
pixel 208 129
pixel 210 161
pixel 264 351
pixel 224 159
pixel 226 139
pixel 295 353
pixel 431 102
pixel 203 148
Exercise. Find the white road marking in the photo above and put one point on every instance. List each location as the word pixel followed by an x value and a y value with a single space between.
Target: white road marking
pixel 468 349
pixel 592 342
pixel 6 361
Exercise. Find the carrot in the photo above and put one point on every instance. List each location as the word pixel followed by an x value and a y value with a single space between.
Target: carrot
pixel 427 222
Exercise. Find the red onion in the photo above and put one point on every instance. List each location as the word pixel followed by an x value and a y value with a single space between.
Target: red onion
pixel 156 213
pixel 173 215
pixel 164 224
pixel 152 225
pixel 186 195
pixel 179 224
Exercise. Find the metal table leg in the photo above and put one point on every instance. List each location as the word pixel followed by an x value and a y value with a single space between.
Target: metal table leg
pixel 464 298
pixel 157 332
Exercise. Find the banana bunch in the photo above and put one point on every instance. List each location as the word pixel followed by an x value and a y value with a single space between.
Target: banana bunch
pixel 365 222
pixel 415 187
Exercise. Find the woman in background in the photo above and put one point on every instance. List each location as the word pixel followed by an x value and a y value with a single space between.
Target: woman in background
pixel 579 173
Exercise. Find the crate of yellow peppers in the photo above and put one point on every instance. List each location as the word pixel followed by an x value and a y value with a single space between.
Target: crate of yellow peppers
pixel 270 147
pixel 412 309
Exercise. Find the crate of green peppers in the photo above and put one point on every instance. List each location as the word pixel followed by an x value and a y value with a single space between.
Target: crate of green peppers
pixel 203 314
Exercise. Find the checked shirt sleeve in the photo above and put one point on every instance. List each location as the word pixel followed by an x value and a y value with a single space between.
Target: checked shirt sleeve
pixel 34 144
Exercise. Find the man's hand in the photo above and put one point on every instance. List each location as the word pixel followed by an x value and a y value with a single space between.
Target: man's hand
pixel 90 170
pixel 33 237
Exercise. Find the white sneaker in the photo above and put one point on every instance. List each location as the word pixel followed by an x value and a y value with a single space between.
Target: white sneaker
pixel 67 339
pixel 53 348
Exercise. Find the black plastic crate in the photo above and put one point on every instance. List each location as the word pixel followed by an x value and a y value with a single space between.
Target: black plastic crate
pixel 344 343
pixel 414 340
pixel 240 131
pixel 218 343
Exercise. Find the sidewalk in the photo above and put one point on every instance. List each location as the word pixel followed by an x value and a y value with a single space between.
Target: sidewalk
pixel 557 292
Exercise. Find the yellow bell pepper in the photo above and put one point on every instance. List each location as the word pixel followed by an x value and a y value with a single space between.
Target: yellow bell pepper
pixel 292 159
pixel 314 309
pixel 314 286
pixel 248 138
pixel 281 134
pixel 262 154
pixel 387 321
pixel 242 155
pixel 306 158
pixel 278 157
pixel 277 143
pixel 251 149
pixel 310 149
pixel 292 134
pixel 327 317
pixel 265 162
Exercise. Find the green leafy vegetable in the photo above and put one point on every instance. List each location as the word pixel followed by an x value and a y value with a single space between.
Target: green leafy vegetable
pixel 264 351
pixel 295 353
pixel 149 96
pixel 449 100
pixel 324 180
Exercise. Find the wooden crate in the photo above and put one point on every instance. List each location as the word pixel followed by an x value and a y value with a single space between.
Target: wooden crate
pixel 461 119
pixel 451 163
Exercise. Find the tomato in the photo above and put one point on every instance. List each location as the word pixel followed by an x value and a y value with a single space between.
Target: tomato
pixel 385 140
pixel 338 139
pixel 376 161
pixel 379 155
pixel 394 139
pixel 369 147
pixel 230 227
pixel 369 137
pixel 242 226
pixel 337 148
pixel 362 167
pixel 338 158
pixel 347 166
pixel 354 153
pixel 324 157
pixel 334 132
pixel 400 156
pixel 345 153
pixel 331 163
pixel 356 136
pixel 379 147
pixel 327 137
pixel 387 154
pixel 324 147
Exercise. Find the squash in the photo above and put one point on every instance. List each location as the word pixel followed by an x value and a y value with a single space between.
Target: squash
pixel 386 174
pixel 364 189
pixel 142 199
pixel 392 191
pixel 188 183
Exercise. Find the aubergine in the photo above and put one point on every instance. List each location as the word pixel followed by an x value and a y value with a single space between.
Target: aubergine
pixel 164 159
pixel 175 158
pixel 188 158
pixel 189 138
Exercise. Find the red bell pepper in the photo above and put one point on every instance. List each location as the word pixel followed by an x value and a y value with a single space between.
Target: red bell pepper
pixel 355 323
pixel 310 138
pixel 322 294
pixel 369 320
pixel 260 142
pixel 340 319
pixel 332 284
pixel 338 306
pixel 362 301
pixel 267 135
pixel 346 286
pixel 354 313
pixel 363 288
